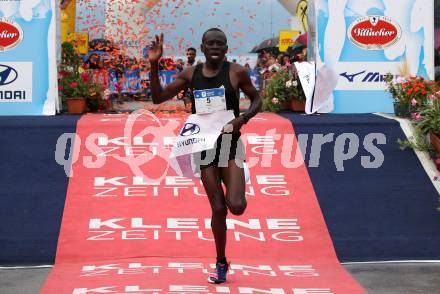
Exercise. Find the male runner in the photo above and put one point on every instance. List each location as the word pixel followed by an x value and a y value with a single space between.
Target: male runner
pixel 229 78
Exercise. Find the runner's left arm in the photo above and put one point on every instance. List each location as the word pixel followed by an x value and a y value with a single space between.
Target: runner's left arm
pixel 245 84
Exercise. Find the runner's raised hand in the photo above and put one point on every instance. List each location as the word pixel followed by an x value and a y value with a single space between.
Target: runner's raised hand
pixel 156 49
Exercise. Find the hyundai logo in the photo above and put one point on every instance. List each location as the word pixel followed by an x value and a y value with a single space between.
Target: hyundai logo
pixel 190 129
pixel 7 75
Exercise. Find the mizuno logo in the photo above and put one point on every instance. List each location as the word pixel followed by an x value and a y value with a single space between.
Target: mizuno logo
pixel 370 77
pixel 350 78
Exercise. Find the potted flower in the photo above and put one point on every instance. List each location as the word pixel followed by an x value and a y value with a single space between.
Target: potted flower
pixel 76 89
pixel 427 127
pixel 281 92
pixel 427 120
pixel 75 85
pixel 408 93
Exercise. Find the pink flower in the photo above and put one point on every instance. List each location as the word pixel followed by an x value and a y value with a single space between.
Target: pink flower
pixel 437 161
pixel 399 80
pixel 432 97
pixel 413 102
pixel 73 84
pixel 416 116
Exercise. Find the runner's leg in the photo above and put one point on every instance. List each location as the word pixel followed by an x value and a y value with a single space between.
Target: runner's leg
pixel 211 179
pixel 233 177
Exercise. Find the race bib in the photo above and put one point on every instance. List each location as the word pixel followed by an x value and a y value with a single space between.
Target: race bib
pixel 210 100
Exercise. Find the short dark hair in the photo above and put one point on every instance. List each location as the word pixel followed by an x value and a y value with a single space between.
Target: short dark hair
pixel 191 49
pixel 214 30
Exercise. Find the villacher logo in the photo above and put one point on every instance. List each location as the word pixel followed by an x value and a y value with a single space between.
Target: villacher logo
pixel 7 75
pixel 11 34
pixel 374 32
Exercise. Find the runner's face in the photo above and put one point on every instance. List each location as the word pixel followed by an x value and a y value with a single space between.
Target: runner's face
pixel 214 46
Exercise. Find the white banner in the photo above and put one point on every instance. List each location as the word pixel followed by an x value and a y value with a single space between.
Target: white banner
pixel 323 100
pixel 200 132
pixel 306 73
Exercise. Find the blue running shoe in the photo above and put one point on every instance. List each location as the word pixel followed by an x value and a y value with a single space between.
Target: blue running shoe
pixel 221 270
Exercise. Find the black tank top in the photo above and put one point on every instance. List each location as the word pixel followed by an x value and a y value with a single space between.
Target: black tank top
pixel 200 82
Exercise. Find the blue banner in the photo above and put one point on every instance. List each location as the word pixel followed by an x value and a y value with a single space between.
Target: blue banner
pixel 255 78
pixel 166 77
pixel 112 81
pixel 132 82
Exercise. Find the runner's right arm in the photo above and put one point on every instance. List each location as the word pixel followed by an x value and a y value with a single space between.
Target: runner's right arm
pixel 158 94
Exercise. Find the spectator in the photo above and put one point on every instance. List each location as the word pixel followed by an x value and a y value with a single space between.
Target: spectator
pixel 191 54
pixel 94 61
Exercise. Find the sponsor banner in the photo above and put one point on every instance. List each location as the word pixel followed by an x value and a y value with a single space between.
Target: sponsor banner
pixel 376 36
pixel 16 82
pixel 68 18
pixel 365 76
pixel 80 40
pixel 131 225
pixel 374 32
pixel 28 78
pixel 11 34
pixel 287 39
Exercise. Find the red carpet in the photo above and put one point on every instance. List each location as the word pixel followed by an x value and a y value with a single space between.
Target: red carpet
pixel 123 232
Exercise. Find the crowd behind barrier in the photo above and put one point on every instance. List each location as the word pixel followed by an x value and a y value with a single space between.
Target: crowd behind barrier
pixel 124 78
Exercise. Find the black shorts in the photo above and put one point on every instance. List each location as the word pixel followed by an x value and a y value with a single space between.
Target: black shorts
pixel 228 147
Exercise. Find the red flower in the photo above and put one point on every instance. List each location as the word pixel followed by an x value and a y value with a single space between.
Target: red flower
pixel 85 77
pixel 423 92
pixel 73 85
pixel 63 73
pixel 417 89
pixel 60 88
